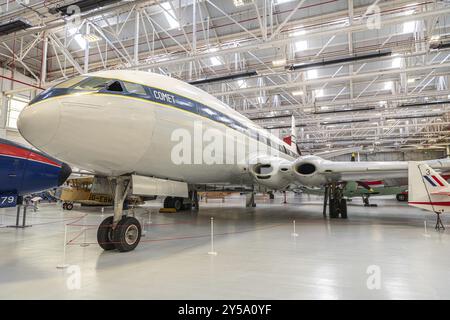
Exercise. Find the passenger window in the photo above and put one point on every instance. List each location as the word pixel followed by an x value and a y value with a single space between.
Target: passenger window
pixel 208 112
pixel 135 88
pixel 262 139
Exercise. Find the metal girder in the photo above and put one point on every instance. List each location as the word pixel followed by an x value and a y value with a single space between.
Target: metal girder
pixel 56 42
pixel 280 42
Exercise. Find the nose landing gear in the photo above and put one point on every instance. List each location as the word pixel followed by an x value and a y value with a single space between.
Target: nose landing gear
pixel 119 231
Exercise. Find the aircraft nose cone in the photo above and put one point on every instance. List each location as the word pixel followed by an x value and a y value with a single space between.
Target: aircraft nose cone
pixel 65 172
pixel 38 123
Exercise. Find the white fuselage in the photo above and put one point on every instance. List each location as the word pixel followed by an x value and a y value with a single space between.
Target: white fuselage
pixel 114 134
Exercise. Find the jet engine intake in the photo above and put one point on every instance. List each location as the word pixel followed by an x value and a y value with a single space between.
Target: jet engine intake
pixel 309 171
pixel 273 173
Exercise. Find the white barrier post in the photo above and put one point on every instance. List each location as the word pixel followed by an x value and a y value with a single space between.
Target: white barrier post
pixel 84 244
pixel 294 234
pixel 63 265
pixel 143 226
pixel 212 252
pixel 425 227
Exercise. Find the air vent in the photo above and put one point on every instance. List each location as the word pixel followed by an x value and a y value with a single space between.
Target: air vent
pixel 13 26
pixel 84 5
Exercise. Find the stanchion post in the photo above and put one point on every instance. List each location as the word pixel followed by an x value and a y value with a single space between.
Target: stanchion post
pixel 212 252
pixel 84 244
pixel 143 226
pixel 18 214
pixel 63 265
pixel 294 234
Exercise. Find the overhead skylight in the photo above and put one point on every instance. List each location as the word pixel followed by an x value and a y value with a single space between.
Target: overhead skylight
pixel 81 41
pixel 301 45
pixel 311 74
pixel 397 62
pixel 409 26
pixel 318 93
pixel 92 37
pixel 297 32
pixel 242 84
pixel 169 14
pixel 283 1
pixel 214 61
pixel 240 3
pixel 297 93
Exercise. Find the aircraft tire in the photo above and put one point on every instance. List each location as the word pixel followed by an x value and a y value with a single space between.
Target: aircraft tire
pixel 343 208
pixel 64 206
pixel 69 206
pixel 333 210
pixel 105 234
pixel 127 234
pixel 401 197
pixel 168 202
pixel 178 203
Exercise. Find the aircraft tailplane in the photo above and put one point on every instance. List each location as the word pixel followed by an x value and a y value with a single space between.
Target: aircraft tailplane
pixel 427 189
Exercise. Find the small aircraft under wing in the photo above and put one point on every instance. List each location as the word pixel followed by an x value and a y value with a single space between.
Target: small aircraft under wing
pixel 428 190
pixel 365 190
pixel 142 124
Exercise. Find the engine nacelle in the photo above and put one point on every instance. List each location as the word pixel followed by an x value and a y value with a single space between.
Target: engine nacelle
pixel 308 171
pixel 271 172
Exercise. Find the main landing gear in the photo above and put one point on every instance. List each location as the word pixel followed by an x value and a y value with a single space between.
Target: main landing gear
pixel 119 231
pixel 180 204
pixel 334 199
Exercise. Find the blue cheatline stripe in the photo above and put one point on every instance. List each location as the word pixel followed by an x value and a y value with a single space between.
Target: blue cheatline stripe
pixel 430 181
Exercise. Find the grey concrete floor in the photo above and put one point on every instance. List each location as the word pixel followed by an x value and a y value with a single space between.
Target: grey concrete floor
pixel 258 258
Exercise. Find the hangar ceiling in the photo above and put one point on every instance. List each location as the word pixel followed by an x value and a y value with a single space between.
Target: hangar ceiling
pixel 354 73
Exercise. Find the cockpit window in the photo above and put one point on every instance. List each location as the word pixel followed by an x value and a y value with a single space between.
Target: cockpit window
pixel 134 88
pixel 93 83
pixel 69 83
pixel 114 86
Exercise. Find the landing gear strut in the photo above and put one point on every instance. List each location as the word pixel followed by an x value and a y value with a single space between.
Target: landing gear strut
pixel 250 200
pixel 365 198
pixel 334 198
pixel 119 231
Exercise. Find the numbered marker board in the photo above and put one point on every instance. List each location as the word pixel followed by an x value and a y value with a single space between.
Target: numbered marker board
pixel 8 200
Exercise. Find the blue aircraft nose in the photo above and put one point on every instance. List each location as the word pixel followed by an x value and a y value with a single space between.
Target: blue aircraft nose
pixel 65 172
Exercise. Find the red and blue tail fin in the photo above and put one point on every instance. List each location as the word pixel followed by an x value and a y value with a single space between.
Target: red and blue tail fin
pixel 427 189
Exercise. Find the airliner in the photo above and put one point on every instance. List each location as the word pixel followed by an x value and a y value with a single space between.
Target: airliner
pixel 24 171
pixel 150 134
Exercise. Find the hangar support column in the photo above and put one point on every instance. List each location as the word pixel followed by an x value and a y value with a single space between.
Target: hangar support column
pixel 3 114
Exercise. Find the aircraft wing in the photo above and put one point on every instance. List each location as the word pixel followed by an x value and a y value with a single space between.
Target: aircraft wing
pixel 314 171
